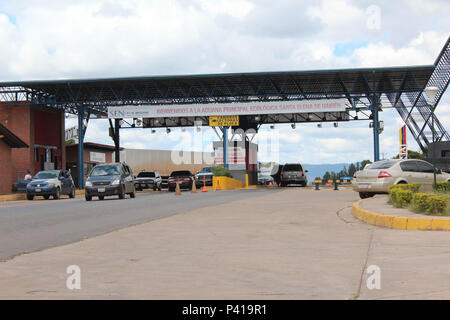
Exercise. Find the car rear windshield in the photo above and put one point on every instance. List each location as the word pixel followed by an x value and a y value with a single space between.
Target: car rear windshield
pixel 46 175
pixel 382 164
pixel 292 167
pixel 146 175
pixel 180 173
pixel 206 170
pixel 105 171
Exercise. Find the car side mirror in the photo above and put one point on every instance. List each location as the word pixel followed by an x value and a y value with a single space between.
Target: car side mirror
pixel 306 170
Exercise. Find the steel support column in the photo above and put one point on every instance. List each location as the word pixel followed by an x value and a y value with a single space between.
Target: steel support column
pixel 376 129
pixel 225 146
pixel 81 147
pixel 117 139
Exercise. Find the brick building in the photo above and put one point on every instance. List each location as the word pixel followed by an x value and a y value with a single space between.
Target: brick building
pixel 41 130
pixel 94 153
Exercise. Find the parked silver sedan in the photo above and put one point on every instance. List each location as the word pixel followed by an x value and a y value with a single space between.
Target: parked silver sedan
pixel 380 175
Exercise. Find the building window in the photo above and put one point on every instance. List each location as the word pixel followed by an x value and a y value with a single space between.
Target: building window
pixel 48 155
pixel 445 153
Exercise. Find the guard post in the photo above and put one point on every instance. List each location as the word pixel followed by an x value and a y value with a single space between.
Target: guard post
pixel 317 182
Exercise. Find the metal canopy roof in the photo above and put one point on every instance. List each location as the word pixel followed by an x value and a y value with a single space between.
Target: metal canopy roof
pixel 364 88
pixel 97 94
pixel 11 139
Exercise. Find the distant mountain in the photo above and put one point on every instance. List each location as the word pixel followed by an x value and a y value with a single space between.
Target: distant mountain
pixel 318 170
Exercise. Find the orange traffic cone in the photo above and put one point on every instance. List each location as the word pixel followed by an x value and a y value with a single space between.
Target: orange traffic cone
pixel 177 190
pixel 270 183
pixel 204 189
pixel 218 186
pixel 194 187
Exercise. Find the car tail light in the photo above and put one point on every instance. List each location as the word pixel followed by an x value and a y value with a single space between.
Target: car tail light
pixel 354 176
pixel 281 173
pixel 303 174
pixel 384 174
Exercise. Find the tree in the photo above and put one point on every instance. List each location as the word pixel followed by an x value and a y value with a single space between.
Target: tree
pixel 364 162
pixel 351 170
pixel 413 155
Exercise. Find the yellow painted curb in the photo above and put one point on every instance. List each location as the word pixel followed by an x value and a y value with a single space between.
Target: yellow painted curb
pixel 396 222
pixel 13 197
pixel 23 196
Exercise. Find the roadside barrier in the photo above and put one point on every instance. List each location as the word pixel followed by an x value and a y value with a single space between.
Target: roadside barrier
pixel 226 183
pixel 317 183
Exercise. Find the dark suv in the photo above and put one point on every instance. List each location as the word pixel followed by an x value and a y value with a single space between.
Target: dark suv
pixel 109 180
pixel 204 176
pixel 293 173
pixel 147 180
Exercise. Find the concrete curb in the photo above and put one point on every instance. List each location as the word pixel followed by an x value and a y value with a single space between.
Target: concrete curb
pixel 23 196
pixel 396 222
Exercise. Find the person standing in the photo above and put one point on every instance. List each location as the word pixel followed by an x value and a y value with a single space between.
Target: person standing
pixel 28 175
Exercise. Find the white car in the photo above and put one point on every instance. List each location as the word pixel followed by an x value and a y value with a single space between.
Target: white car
pixel 380 175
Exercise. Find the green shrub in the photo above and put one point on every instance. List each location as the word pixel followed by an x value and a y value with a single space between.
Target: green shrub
pixel 431 204
pixel 402 198
pixel 443 186
pixel 400 195
pixel 221 171
pixel 414 187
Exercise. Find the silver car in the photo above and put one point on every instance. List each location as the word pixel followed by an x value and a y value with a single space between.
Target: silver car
pixel 380 175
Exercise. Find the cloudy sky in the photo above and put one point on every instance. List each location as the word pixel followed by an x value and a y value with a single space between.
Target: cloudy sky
pixel 43 39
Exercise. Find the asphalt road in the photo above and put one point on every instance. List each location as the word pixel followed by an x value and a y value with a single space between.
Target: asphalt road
pixel 28 226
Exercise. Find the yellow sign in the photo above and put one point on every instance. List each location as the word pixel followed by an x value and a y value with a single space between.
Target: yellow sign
pixel 223 121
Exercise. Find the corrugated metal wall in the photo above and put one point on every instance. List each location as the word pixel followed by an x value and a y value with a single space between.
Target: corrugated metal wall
pixel 165 161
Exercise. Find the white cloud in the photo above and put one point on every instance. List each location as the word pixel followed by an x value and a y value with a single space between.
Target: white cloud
pixel 105 38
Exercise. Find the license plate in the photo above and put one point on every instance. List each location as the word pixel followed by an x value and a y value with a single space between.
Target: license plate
pixel 38 190
pixel 101 189
pixel 364 186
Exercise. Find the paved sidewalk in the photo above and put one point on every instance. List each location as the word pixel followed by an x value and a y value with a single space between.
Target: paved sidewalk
pixel 294 244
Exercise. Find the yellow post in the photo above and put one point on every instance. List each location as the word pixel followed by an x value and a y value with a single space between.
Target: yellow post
pixel 246 180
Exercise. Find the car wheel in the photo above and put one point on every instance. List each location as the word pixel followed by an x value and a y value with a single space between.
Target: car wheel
pixel 57 194
pixel 88 198
pixel 122 193
pixel 101 197
pixel 72 194
pixel 365 195
pixel 133 194
pixel 154 188
pixel 171 189
pixel 46 197
pixel 160 188
pixel 30 197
